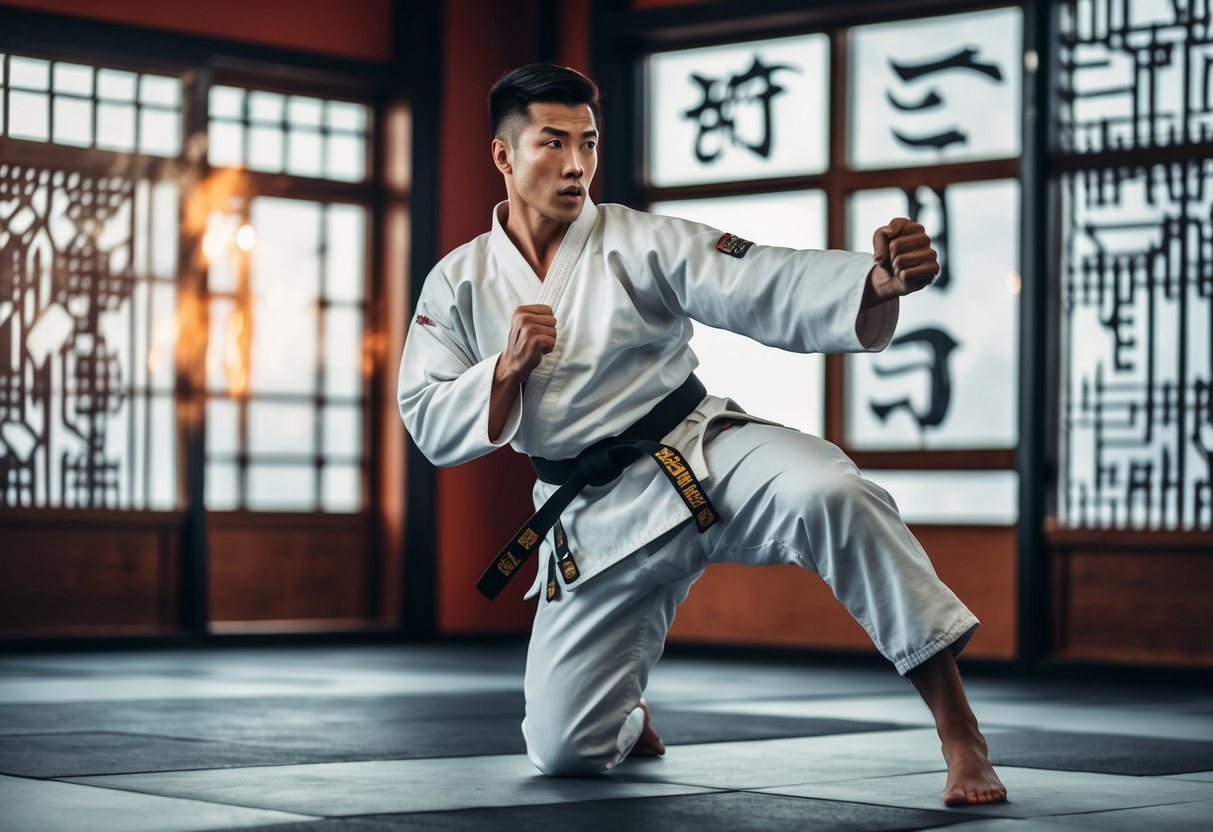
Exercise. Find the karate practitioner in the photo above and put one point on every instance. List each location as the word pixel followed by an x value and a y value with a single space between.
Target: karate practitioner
pixel 568 324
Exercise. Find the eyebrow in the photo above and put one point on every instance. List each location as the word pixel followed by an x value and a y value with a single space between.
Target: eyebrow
pixel 562 133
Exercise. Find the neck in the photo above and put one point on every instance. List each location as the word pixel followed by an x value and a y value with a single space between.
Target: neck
pixel 536 237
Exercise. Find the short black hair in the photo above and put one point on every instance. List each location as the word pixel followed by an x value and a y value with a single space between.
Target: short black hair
pixel 515 91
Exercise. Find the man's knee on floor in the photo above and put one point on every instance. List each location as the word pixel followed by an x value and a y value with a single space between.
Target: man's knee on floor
pixel 557 753
pixel 567 749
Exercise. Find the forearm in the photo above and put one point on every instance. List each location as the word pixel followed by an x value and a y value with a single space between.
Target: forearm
pixel 501 398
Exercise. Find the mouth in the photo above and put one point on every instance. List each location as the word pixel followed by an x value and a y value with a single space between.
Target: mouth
pixel 571 193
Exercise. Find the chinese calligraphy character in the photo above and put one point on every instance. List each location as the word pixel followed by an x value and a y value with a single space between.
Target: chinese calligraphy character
pixel 941 345
pixel 717 117
pixel 964 60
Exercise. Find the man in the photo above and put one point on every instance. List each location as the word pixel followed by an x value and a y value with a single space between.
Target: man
pixel 564 331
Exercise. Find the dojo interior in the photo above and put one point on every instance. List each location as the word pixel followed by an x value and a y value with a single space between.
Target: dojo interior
pixel 233 594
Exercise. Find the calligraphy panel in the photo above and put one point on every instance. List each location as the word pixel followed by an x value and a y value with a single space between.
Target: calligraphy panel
pixel 949 378
pixel 1134 75
pixel 87 340
pixel 782 386
pixel 741 111
pixel 942 89
pixel 1137 364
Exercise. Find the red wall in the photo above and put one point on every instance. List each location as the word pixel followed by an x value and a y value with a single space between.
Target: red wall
pixel 361 30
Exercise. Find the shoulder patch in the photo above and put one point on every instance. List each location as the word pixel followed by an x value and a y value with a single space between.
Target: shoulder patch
pixel 425 320
pixel 732 244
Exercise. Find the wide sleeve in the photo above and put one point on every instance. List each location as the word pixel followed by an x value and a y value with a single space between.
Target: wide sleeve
pixel 443 390
pixel 803 301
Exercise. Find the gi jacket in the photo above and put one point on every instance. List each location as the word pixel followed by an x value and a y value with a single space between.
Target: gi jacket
pixel 624 287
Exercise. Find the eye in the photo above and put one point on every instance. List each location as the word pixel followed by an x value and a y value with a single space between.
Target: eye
pixel 554 143
pixel 591 145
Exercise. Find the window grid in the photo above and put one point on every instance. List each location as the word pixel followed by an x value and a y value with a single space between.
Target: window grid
pixel 53 92
pixel 335 121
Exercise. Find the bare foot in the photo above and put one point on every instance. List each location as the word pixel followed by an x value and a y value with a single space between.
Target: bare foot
pixel 649 744
pixel 971 778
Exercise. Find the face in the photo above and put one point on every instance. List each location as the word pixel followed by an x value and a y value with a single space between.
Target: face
pixel 549 167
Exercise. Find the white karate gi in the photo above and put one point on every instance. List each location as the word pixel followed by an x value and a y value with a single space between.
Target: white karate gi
pixel 624 286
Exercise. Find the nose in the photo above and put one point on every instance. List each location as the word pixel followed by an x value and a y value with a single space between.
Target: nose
pixel 572 163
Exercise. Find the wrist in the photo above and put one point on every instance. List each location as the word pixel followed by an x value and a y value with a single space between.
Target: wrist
pixel 878 287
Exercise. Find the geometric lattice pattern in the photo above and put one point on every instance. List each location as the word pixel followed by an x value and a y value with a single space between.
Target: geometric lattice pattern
pixel 1137 405
pixel 67 291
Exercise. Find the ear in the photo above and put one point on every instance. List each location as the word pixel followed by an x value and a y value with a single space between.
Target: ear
pixel 503 156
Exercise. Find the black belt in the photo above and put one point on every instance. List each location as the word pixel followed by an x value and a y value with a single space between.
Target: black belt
pixel 601 463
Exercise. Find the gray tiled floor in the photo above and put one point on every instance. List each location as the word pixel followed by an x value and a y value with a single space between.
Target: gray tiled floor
pixel 361 739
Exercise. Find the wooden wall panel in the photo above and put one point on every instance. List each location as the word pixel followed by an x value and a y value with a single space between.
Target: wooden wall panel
pixel 61 575
pixel 288 568
pixel 788 606
pixel 1151 607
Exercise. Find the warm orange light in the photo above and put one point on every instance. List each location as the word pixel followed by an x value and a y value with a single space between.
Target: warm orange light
pixel 246 237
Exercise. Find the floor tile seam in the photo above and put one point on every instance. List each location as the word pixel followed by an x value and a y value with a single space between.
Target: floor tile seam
pixel 1126 808
pixel 964 814
pixel 227 743
pixel 112 788
pixel 128 790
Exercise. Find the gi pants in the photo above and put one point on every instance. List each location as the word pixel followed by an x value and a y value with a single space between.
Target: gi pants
pixel 785 497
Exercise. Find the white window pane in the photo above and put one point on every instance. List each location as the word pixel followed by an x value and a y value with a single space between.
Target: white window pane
pixel 225 364
pixel 949 379
pixel 740 111
pixel 988 498
pixel 226 102
pixel 160 132
pixel 265 149
pixel 29 117
pixel 344 269
pixel 343 352
pixel 346 158
pixel 162 488
pixel 73 121
pixel 166 210
pixel 29 73
pixel 2 70
pixel 116 126
pixel 343 115
pixel 341 488
pixel 774 384
pixel 265 107
pixel 343 431
pixel 281 487
pixel 943 89
pixel 222 486
pixel 223 257
pixel 115 85
pixel 285 284
pixel 225 144
pixel 222 427
pixel 162 352
pixel 304 111
pixel 160 90
pixel 303 157
pixel 74 78
pixel 278 428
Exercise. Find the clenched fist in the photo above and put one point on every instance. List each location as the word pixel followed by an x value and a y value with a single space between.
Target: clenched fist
pixel 532 336
pixel 905 261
